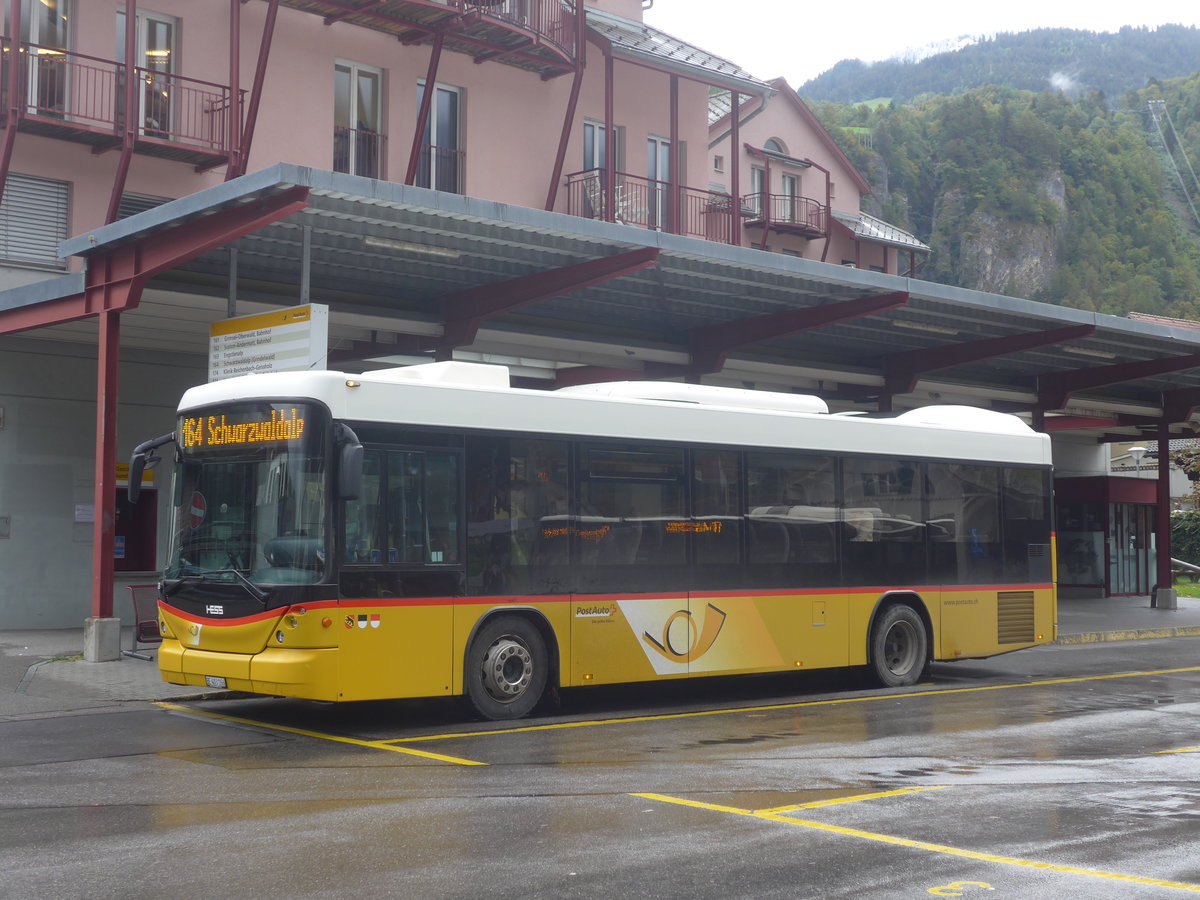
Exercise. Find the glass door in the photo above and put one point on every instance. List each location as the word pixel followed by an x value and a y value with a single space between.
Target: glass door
pixel 1130 540
pixel 155 69
pixel 658 171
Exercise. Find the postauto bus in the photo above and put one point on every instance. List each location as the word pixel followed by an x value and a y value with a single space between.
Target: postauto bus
pixel 430 531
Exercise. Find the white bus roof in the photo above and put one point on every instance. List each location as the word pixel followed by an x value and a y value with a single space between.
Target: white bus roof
pixel 476 396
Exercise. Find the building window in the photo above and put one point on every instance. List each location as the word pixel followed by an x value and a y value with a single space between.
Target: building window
pixel 442 157
pixel 33 220
pixel 357 120
pixel 718 163
pixel 44 25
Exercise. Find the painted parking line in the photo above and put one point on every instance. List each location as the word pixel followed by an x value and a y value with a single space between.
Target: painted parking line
pixel 856 798
pixel 942 849
pixel 775 707
pixel 354 742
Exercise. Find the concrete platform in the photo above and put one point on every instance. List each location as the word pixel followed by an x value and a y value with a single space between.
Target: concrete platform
pixel 45 672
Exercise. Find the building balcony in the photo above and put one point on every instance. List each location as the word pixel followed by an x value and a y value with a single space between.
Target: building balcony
pixel 657 205
pixel 786 214
pixel 536 35
pixel 80 98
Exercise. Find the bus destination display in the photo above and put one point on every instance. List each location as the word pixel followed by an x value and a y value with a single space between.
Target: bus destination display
pixel 242 428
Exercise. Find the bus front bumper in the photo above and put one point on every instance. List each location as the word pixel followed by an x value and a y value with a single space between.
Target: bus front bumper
pixel 305 673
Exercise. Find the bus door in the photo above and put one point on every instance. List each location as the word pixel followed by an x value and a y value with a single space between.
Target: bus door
pixel 401 569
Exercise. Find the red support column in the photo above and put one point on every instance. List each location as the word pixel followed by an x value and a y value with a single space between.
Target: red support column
pixel 103 528
pixel 1163 590
pixel 735 169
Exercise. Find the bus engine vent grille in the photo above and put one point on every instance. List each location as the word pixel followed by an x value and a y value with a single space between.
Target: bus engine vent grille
pixel 1014 617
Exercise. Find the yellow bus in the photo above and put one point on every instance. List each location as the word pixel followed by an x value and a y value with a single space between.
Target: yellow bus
pixel 431 531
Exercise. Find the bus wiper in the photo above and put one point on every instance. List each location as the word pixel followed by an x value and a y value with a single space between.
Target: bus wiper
pixel 251 588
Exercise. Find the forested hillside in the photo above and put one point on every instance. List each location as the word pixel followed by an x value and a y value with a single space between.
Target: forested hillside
pixel 1076 62
pixel 1038 195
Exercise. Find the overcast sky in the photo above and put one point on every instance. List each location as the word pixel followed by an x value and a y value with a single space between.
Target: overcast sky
pixel 799 41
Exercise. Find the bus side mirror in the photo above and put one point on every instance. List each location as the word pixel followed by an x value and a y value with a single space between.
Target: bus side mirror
pixel 144 458
pixel 350 464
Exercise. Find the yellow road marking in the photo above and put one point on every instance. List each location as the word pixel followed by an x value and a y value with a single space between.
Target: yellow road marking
pixel 769 816
pixel 857 798
pixel 743 710
pixel 1180 750
pixel 372 745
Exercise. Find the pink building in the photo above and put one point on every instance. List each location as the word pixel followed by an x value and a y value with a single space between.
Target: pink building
pixel 602 118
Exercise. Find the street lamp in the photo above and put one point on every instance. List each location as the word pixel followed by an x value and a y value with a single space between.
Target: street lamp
pixel 1137 453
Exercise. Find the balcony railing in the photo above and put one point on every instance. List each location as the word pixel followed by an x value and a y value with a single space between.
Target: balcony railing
pixel 787 213
pixel 60 91
pixel 548 18
pixel 648 203
pixel 442 169
pixel 359 151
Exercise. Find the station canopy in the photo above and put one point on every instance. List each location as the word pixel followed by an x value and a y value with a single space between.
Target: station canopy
pixel 411 274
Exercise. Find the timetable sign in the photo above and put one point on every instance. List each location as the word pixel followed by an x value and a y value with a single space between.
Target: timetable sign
pixel 284 340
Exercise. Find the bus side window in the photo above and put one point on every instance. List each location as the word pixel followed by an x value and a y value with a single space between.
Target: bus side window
pixel 518 539
pixel 716 517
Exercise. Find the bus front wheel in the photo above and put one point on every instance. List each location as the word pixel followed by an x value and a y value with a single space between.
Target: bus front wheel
pixel 899 646
pixel 507 668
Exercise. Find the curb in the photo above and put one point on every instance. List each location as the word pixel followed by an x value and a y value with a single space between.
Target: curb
pixel 1132 634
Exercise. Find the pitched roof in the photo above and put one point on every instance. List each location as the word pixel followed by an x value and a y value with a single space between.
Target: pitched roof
pixel 636 40
pixel 872 229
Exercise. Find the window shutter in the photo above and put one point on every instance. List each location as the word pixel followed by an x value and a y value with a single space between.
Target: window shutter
pixel 33 220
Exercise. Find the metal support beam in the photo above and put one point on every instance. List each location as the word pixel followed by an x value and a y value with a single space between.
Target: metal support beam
pixel 132 114
pixel 1178 405
pixel 1055 388
pixel 108 271
pixel 422 124
pixel 238 165
pixel 710 345
pixel 463 312
pixel 901 371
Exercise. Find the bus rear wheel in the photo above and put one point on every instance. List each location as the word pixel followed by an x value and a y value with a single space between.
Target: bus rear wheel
pixel 507 668
pixel 899 646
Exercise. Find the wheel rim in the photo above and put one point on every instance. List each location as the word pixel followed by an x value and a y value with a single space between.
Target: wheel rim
pixel 507 669
pixel 900 648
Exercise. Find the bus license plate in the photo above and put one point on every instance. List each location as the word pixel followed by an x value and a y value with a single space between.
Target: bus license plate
pixel 214 681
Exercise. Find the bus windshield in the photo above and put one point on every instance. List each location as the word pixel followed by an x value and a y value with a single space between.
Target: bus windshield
pixel 250 509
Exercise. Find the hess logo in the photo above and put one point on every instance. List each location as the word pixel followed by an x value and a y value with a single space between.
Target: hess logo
pixel 680 644
pixel 215 609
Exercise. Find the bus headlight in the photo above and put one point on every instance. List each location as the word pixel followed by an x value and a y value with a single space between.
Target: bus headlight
pixel 279 636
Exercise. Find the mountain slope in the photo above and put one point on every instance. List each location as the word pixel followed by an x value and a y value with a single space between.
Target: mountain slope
pixel 1037 195
pixel 1076 62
